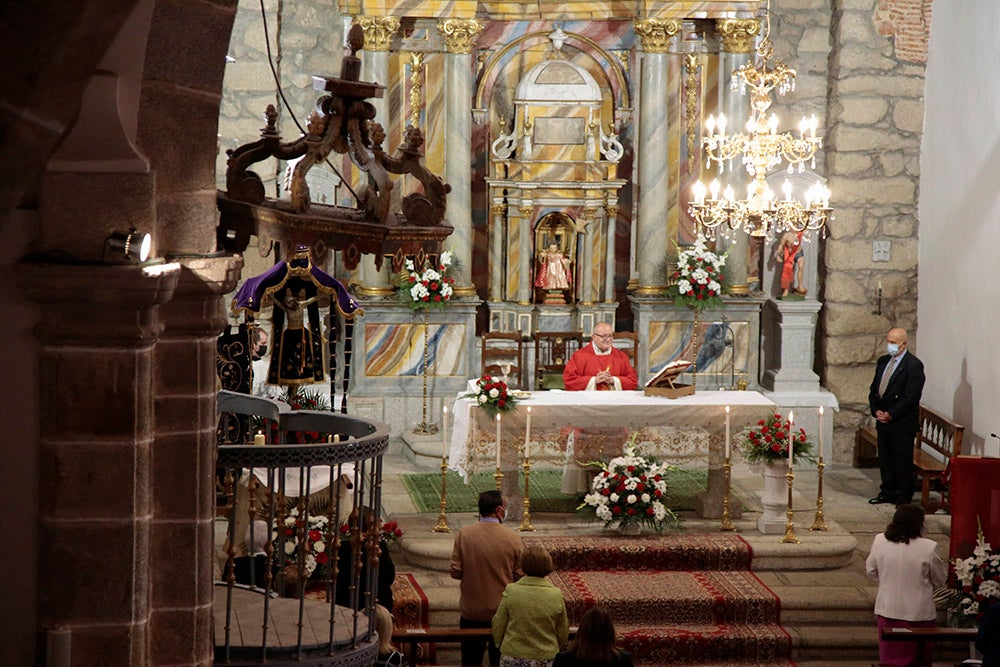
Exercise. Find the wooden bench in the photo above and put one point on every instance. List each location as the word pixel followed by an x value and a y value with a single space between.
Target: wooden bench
pixel 938 441
pixel 923 635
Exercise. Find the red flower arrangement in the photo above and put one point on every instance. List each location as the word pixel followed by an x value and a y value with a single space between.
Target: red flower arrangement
pixel 492 395
pixel 768 442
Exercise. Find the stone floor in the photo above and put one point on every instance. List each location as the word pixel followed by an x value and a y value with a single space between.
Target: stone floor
pixel 826 597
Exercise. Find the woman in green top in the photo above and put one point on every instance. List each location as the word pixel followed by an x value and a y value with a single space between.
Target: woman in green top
pixel 531 625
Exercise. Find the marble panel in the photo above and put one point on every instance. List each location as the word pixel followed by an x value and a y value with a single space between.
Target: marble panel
pixel 395 349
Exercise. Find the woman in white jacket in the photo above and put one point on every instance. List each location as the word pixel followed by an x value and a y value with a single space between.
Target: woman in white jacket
pixel 907 568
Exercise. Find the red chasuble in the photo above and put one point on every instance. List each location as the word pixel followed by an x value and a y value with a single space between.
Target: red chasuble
pixel 584 364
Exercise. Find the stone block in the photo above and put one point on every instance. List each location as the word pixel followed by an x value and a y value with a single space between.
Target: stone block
pixel 848 164
pixel 174 580
pixel 902 225
pixel 847 223
pixel 892 163
pixel 95 481
pixel 171 638
pixel 850 383
pixel 863 110
pixel 815 40
pixel 857 27
pixel 899 190
pixel 889 86
pixel 845 287
pixel 860 58
pixel 843 137
pixel 187 44
pixel 100 644
pixel 244 75
pixel 851 319
pixel 173 122
pixel 851 350
pixel 908 115
pixel 171 453
pixel 187 223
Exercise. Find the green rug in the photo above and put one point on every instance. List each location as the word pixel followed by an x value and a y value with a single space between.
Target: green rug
pixel 546 494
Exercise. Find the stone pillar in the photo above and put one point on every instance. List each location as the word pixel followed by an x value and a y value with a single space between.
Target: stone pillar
pixel 737 37
pixel 379 31
pixel 653 153
pixel 182 524
pixel 459 34
pixel 795 324
pixel 97 329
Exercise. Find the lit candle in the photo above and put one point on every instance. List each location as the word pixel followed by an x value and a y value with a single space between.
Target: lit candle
pixel 498 441
pixel 727 432
pixel 527 434
pixel 821 433
pixel 444 433
pixel 258 439
pixel 880 287
pixel 791 427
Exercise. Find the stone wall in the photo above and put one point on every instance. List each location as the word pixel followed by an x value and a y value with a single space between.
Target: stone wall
pixel 874 130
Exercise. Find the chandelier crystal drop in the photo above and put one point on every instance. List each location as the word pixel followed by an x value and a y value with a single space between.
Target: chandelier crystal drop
pixel 760 149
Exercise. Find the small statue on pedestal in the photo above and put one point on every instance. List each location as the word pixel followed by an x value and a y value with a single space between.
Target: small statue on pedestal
pixel 554 274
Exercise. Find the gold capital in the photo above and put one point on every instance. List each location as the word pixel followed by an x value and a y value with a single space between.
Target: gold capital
pixel 737 34
pixel 459 34
pixel 655 34
pixel 379 31
pixel 498 209
pixel 526 211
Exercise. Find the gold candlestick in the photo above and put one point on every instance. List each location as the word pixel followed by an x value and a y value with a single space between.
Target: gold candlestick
pixel 498 476
pixel 727 524
pixel 442 524
pixel 819 523
pixel 526 518
pixel 789 537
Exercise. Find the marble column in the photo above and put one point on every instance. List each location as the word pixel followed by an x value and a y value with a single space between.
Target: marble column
pixel 496 251
pixel 586 268
pixel 525 256
pixel 737 37
pixel 379 31
pixel 611 218
pixel 98 325
pixel 653 154
pixel 459 35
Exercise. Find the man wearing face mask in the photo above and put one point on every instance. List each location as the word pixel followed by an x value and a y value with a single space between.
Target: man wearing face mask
pixel 485 560
pixel 894 399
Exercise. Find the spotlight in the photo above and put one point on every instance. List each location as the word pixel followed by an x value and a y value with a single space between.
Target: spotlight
pixel 130 246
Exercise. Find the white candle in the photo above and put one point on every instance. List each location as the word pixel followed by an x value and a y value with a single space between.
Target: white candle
pixel 258 439
pixel 527 434
pixel 821 433
pixel 727 432
pixel 498 441
pixel 791 427
pixel 444 433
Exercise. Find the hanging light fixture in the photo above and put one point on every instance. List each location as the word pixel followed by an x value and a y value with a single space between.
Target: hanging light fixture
pixel 761 213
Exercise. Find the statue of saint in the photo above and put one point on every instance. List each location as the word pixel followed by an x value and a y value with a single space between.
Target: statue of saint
pixel 554 272
pixel 793 262
pixel 294 355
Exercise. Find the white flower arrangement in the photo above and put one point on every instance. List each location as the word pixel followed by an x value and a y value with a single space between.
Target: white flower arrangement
pixel 700 281
pixel 428 287
pixel 977 580
pixel 630 490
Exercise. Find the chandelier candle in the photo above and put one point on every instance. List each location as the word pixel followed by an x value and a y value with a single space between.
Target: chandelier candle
pixel 527 434
pixel 444 432
pixel 791 427
pixel 727 432
pixel 498 442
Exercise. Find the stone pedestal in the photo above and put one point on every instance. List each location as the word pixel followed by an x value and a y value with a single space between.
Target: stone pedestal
pixel 789 345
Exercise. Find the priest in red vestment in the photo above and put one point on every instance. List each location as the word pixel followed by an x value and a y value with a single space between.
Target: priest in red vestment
pixel 600 365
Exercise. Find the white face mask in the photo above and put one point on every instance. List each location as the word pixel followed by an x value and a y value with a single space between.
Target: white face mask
pixel 503 515
pixel 892 349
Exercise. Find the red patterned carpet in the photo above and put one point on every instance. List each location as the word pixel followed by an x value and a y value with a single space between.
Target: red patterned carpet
pixel 676 599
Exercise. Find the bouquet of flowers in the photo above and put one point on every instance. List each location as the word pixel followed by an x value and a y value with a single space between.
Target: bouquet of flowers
pixel 699 279
pixel 977 580
pixel 492 395
pixel 317 557
pixel 430 286
pixel 390 531
pixel 629 491
pixel 303 399
pixel 768 442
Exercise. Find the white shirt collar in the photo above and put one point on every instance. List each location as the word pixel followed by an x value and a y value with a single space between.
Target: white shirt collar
pixel 598 352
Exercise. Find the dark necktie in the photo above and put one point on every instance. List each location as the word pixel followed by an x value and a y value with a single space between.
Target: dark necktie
pixel 885 376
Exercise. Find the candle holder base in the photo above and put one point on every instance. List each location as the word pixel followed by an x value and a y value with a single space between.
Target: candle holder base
pixel 727 524
pixel 423 428
pixel 442 522
pixel 790 537
pixel 526 517
pixel 819 523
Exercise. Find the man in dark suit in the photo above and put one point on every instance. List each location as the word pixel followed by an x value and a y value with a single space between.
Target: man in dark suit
pixel 894 399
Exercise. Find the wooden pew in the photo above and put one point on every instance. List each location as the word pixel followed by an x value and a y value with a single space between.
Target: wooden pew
pixel 923 635
pixel 938 441
pixel 412 637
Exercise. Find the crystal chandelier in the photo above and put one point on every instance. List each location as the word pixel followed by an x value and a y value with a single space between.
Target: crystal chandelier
pixel 760 149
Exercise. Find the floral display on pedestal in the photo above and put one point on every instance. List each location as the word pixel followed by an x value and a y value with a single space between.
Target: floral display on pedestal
pixel 768 443
pixel 492 395
pixel 627 494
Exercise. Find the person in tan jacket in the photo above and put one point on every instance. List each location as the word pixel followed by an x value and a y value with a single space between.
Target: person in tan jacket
pixel 484 559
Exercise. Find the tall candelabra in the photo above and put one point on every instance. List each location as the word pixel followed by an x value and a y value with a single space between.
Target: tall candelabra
pixel 727 523
pixel 790 526
pixel 819 523
pixel 442 524
pixel 526 518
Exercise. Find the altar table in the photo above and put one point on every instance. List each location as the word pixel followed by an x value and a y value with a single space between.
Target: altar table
pixel 569 426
